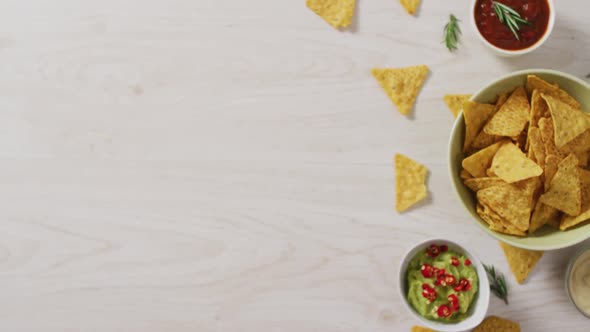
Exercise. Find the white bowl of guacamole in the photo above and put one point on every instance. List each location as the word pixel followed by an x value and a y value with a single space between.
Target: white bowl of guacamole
pixel 444 286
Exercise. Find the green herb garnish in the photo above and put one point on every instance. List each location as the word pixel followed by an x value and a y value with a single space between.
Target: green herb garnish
pixel 497 283
pixel 452 33
pixel 509 17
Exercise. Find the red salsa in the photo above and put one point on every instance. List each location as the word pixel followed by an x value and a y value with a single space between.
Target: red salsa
pixel 499 35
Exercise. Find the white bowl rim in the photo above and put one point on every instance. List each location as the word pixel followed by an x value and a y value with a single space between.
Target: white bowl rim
pixel 483 300
pixel 511 53
pixel 460 120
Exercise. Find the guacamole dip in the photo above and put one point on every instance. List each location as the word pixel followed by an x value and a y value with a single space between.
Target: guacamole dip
pixel 441 284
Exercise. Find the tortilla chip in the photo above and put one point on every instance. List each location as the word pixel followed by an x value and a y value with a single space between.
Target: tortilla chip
pixel 539 109
pixel 402 85
pixel 490 173
pixel 510 203
pixel 496 223
pixel 512 117
pixel 511 165
pixel 531 188
pixel 479 162
pixel 338 13
pixel 521 261
pixel 475 115
pixel 536 83
pixel 497 324
pixel 565 193
pixel 536 146
pixel 567 221
pixel 542 215
pixel 411 6
pixel 568 122
pixel 410 182
pixel 554 222
pixel 477 184
pixel 455 103
pixel 546 130
pixel 421 329
pixel 465 175
pixel 484 140
pixel 551 163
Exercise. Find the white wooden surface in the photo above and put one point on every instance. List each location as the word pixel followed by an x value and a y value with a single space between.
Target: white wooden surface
pixel 218 165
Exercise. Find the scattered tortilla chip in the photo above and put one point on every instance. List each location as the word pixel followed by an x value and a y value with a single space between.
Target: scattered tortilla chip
pixel 542 215
pixel 455 103
pixel 410 182
pixel 402 85
pixel 521 261
pixel 497 324
pixel 479 162
pixel 421 329
pixel 568 122
pixel 536 83
pixel 411 6
pixel 565 193
pixel 568 221
pixel 536 146
pixel 511 165
pixel 338 13
pixel 512 117
pixel 551 163
pixel 476 115
pixel 510 203
pixel 477 184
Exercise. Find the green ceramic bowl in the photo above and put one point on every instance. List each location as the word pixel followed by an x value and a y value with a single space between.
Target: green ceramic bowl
pixel 546 238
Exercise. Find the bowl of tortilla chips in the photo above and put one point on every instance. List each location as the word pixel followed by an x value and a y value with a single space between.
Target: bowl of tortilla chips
pixel 519 159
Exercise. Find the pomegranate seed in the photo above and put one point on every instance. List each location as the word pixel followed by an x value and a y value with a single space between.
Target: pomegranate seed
pixel 464 284
pixel 450 279
pixel 441 273
pixel 428 292
pixel 467 262
pixel 427 271
pixel 443 311
pixel 454 261
pixel 433 250
pixel 444 248
pixel 454 301
pixel 458 288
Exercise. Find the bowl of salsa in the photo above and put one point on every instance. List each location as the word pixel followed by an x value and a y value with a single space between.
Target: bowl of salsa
pixel 513 27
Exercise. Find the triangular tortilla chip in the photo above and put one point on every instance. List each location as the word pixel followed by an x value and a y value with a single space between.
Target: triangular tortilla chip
pixel 410 182
pixel 402 85
pixel 531 188
pixel 511 165
pixel 411 6
pixel 550 169
pixel 565 193
pixel 521 261
pixel 512 117
pixel 539 109
pixel 578 145
pixel 455 103
pixel 484 140
pixel 497 223
pixel 536 146
pixel 567 121
pixel 475 115
pixel 338 13
pixel 542 215
pixel 497 324
pixel 567 221
pixel 508 202
pixel 478 184
pixel 479 162
pixel 536 83
pixel 546 130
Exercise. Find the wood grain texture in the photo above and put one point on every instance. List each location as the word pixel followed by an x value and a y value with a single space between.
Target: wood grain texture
pixel 218 165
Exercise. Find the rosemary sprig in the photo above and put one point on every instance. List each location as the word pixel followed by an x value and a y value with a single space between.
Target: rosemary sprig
pixel 497 283
pixel 452 33
pixel 509 17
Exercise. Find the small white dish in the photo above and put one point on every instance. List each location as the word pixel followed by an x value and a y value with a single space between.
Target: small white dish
pixel 480 304
pixel 514 53
pixel 576 281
